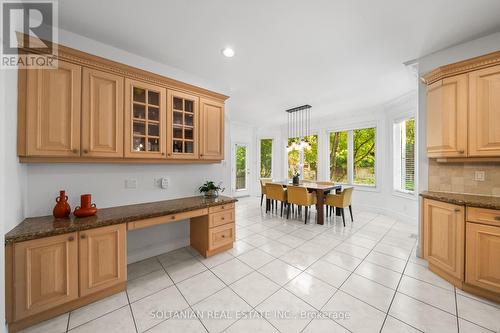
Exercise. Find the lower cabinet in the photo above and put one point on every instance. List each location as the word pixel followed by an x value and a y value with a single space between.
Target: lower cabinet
pixel 483 256
pixel 45 274
pixel 444 237
pixel 102 258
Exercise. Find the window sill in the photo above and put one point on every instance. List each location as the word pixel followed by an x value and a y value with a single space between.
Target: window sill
pixel 365 188
pixel 406 195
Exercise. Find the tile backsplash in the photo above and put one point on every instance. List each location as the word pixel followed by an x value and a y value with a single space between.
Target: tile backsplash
pixel 459 178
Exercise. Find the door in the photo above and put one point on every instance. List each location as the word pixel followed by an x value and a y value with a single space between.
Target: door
pixel 103 261
pixel 447 117
pixel 484 112
pixel 444 228
pixel 46 274
pixel 211 130
pixel 53 110
pixel 145 120
pixel 182 140
pixel 483 256
pixel 102 114
pixel 241 170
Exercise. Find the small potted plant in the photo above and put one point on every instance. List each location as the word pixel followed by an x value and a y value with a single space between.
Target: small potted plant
pixel 295 176
pixel 210 190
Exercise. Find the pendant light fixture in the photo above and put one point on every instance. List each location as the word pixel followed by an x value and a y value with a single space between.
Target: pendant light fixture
pixel 299 126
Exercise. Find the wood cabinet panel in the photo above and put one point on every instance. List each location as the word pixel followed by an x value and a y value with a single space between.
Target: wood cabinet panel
pixel 484 112
pixel 102 114
pixel 211 130
pixel 220 236
pixel 145 120
pixel 223 217
pixel 45 273
pixel 483 256
pixel 447 117
pixel 484 216
pixel 53 102
pixel 166 219
pixel 220 208
pixel 183 125
pixel 103 258
pixel 444 233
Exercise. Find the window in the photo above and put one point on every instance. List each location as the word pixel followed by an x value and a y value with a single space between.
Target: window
pixel 352 156
pixel 404 155
pixel 304 160
pixel 266 158
pixel 338 157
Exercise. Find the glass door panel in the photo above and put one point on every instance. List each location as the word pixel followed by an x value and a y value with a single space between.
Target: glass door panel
pixel 241 168
pixel 183 110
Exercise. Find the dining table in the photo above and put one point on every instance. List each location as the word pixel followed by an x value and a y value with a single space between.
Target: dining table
pixel 320 190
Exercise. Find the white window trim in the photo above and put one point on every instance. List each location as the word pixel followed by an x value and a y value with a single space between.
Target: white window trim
pixel 396 190
pixel 350 154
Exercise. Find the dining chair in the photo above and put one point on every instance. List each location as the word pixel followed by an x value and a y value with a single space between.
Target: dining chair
pixel 341 200
pixel 298 195
pixel 276 192
pixel 263 182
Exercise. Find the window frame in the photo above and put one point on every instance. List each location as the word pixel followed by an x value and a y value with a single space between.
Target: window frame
pixel 350 153
pixel 396 146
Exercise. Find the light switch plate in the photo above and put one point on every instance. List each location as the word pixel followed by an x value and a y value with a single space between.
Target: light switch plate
pixel 131 183
pixel 164 183
pixel 479 176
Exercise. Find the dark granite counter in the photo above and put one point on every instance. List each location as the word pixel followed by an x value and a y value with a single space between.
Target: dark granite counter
pixel 44 226
pixel 482 201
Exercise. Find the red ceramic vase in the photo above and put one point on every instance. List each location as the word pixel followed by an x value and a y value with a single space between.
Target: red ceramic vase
pixel 62 208
pixel 86 208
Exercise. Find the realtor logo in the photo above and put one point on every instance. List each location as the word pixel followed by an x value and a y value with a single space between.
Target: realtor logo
pixel 29 34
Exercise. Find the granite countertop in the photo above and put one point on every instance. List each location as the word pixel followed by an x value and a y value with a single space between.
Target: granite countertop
pixel 472 200
pixel 44 226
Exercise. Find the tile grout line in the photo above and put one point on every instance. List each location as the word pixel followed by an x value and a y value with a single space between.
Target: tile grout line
pixel 456 308
pixel 131 312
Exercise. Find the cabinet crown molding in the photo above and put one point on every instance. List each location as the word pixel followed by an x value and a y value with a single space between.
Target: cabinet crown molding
pixel 465 66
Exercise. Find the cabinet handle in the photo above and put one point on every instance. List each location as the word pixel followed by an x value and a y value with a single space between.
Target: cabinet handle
pixel 83 236
pixel 71 238
pixel 222 207
pixel 75 151
pixel 497 218
pixel 457 210
pixel 461 151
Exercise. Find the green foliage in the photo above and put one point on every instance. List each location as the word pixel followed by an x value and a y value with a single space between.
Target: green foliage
pixel 310 158
pixel 364 156
pixel 210 186
pixel 241 156
pixel 338 157
pixel 266 155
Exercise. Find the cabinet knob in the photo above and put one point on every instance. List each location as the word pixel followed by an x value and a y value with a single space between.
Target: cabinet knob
pixel 162 154
pixel 75 151
pixel 71 238
pixel 83 236
pixel 223 236
pixel 497 218
pixel 169 154
pixel 201 155
pixel 461 151
pixel 222 219
pixel 85 151
pixel 457 210
pixel 173 217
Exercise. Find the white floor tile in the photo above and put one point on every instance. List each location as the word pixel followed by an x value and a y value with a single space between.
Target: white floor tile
pixel 97 309
pixel 395 264
pixel 279 271
pixel 183 323
pixel 174 257
pixel 200 286
pixel 342 259
pixel 240 247
pixel 353 250
pixel 479 313
pixel 143 267
pixel 428 293
pixel 422 316
pixel 185 269
pixel 256 258
pixel 55 325
pixel 275 248
pixel 468 327
pixel 369 291
pixel 392 325
pixel 224 301
pixel 329 273
pixel 254 288
pixel 291 241
pixel 215 260
pixel 379 274
pixel 323 325
pixel 423 273
pixel 392 251
pixel 256 239
pixel 299 259
pixel 251 325
pixel 361 316
pixel 119 321
pixel 311 290
pixel 232 270
pixel 147 285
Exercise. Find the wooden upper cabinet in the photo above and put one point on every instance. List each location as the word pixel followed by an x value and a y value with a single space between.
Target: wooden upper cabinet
pixel 211 130
pixel 183 125
pixel 102 114
pixel 444 236
pixel 484 112
pixel 483 256
pixel 447 117
pixel 53 102
pixel 145 120
pixel 103 259
pixel 46 274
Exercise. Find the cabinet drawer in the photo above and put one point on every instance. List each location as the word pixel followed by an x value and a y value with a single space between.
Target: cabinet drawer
pixel 220 236
pixel 166 219
pixel 224 217
pixel 220 208
pixel 483 215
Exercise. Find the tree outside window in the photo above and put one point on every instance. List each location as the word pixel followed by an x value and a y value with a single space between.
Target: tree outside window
pixel 305 160
pixel 364 156
pixel 266 158
pixel 338 157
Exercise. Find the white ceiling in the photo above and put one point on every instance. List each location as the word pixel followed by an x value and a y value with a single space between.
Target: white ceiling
pixel 337 55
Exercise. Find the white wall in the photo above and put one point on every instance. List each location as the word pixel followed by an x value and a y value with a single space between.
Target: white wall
pixel 383 198
pixel 471 49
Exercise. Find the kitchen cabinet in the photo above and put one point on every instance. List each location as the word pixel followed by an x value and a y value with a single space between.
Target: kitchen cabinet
pixel 211 130
pixel 145 120
pixel 447 117
pixel 102 114
pixel 103 261
pixel 444 237
pixel 484 112
pixel 52 98
pixel 46 274
pixel 183 122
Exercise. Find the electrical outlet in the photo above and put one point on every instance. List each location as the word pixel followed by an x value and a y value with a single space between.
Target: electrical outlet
pixel 479 176
pixel 162 182
pixel 131 183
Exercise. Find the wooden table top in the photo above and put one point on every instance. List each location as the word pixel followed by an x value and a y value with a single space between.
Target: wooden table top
pixel 310 185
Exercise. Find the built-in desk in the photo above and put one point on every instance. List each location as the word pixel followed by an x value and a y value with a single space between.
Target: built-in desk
pixel 56 265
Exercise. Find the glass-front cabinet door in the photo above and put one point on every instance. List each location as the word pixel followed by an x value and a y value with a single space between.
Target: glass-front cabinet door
pixel 145 120
pixel 182 140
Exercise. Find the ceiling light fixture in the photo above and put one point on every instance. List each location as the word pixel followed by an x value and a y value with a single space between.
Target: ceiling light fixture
pixel 228 52
pixel 299 127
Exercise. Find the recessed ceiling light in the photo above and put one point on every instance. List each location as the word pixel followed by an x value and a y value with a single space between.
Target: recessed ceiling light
pixel 228 52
